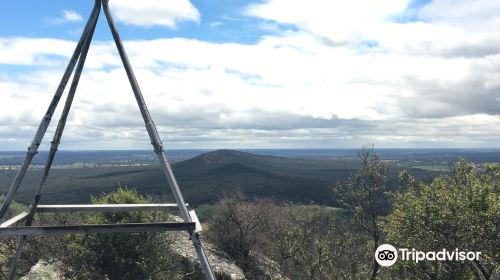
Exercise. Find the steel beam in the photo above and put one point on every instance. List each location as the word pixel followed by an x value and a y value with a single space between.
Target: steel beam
pixel 44 124
pixel 59 130
pixel 105 228
pixel 19 218
pixel 80 54
pixel 156 142
pixel 105 207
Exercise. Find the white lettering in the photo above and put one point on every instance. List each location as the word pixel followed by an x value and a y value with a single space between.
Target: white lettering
pixel 420 256
pixel 470 256
pixel 406 254
pixel 441 255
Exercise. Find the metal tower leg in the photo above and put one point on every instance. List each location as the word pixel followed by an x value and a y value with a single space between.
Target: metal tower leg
pixel 156 142
pixel 42 128
pixel 79 55
pixel 56 140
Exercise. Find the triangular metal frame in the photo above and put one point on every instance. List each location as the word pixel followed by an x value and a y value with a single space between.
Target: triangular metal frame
pixel 80 55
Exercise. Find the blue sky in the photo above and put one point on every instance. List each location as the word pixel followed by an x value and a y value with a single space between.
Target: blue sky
pixel 221 21
pixel 261 74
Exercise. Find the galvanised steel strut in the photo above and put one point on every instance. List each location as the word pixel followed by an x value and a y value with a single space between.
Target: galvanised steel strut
pixel 80 55
pixel 42 128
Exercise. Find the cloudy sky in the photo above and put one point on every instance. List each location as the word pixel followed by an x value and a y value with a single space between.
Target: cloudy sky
pixel 264 74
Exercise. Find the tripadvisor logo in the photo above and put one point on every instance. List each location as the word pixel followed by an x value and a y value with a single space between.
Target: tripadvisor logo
pixel 387 255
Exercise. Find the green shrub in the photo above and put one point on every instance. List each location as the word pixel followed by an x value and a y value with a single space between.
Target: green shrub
pixel 121 255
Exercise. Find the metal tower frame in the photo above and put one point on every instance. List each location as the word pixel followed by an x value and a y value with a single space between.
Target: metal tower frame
pixel 8 228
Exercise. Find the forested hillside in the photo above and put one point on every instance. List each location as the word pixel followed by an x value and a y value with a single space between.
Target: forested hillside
pixel 203 179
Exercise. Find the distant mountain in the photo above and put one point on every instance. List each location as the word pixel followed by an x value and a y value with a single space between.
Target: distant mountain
pixel 308 168
pixel 203 179
pixel 218 158
pixel 212 175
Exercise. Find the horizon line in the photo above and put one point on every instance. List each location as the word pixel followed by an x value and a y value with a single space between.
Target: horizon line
pixel 263 149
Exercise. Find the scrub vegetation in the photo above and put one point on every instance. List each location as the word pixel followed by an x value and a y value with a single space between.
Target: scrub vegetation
pixel 308 229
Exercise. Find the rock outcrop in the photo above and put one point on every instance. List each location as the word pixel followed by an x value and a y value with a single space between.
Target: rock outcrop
pixel 221 263
pixel 45 270
pixel 223 266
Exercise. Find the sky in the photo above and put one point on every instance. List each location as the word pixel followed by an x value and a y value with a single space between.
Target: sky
pixel 259 74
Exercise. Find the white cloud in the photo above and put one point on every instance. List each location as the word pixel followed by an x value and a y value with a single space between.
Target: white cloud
pixel 68 16
pixel 431 82
pixel 149 13
pixel 289 89
pixel 33 51
pixel 442 27
pixel 340 21
pixel 463 12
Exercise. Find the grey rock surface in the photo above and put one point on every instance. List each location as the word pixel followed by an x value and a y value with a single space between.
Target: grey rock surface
pixel 220 262
pixel 44 270
pixel 181 245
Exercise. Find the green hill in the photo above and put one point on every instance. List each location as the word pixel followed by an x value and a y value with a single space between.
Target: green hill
pixel 203 179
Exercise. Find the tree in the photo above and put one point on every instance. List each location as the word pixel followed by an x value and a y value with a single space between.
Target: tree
pixel 298 242
pixel 365 194
pixel 461 211
pixel 122 255
pixel 237 225
pixel 319 243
